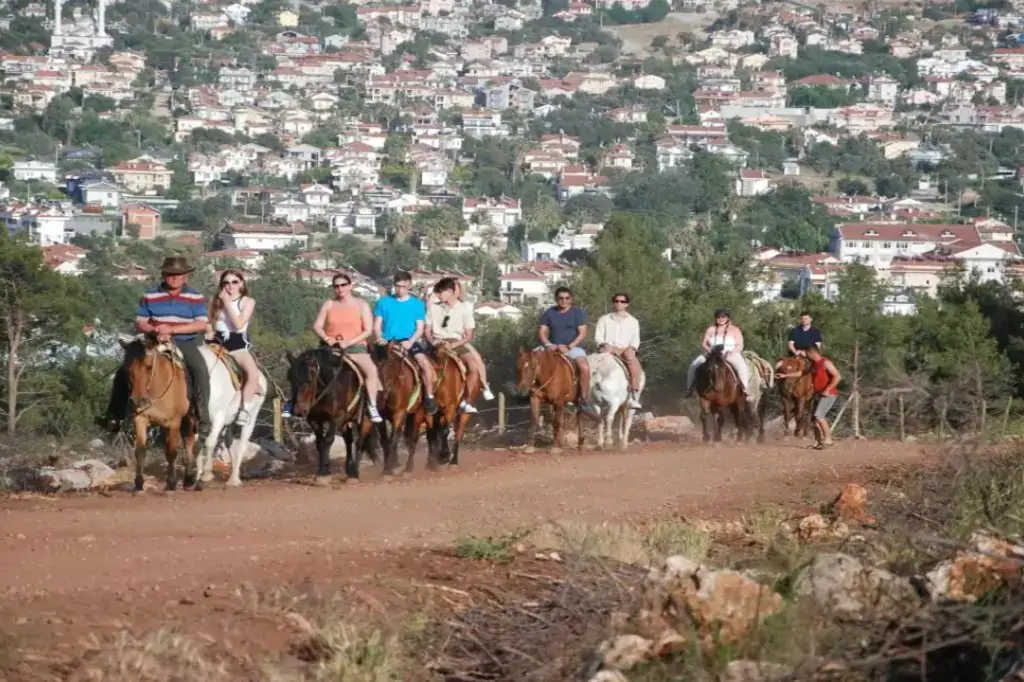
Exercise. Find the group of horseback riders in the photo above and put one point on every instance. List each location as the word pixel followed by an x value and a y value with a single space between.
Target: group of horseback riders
pixel 175 312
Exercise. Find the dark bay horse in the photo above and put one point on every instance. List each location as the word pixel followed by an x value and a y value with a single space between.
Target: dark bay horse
pixel 796 392
pixel 719 390
pixel 329 393
pixel 401 405
pixel 548 377
pixel 450 389
pixel 158 392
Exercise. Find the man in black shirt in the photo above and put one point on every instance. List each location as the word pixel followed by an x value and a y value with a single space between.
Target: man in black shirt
pixel 802 337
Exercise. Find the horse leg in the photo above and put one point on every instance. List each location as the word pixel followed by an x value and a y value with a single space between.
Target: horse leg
pixel 412 435
pixel 759 413
pixel 363 434
pixel 189 430
pixel 719 424
pixel 557 423
pixel 800 419
pixel 434 436
pixel 390 442
pixel 172 441
pixel 706 420
pixel 579 430
pixel 531 438
pixel 600 433
pixel 209 447
pixel 323 452
pixel 626 414
pixel 787 414
pixel 460 432
pixel 241 445
pixel 352 455
pixel 141 429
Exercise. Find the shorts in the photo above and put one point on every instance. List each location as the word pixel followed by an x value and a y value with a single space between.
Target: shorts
pixel 232 341
pixel 418 348
pixel 576 353
pixel 352 350
pixel 823 404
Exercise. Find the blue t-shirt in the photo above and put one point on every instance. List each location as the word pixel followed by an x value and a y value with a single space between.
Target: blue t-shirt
pixel 159 306
pixel 563 327
pixel 400 317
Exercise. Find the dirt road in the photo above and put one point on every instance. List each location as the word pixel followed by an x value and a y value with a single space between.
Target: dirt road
pixel 56 546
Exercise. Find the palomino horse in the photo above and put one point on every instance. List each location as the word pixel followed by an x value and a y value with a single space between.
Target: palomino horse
pixel 450 389
pixel 225 403
pixel 329 391
pixel 547 377
pixel 719 390
pixel 159 396
pixel 796 392
pixel 401 405
pixel 609 390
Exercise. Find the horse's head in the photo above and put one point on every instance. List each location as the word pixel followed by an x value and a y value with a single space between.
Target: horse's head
pixel 527 371
pixel 308 374
pixel 141 355
pixel 795 367
pixel 716 365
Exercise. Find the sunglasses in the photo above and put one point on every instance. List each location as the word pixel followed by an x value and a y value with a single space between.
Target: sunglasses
pixel 620 300
pixel 343 284
pixel 232 281
pixel 444 322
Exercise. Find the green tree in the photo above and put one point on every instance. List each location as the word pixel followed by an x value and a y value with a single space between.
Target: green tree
pixel 438 226
pixel 36 306
pixel 542 220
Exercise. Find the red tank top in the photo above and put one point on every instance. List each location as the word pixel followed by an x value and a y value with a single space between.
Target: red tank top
pixel 822 378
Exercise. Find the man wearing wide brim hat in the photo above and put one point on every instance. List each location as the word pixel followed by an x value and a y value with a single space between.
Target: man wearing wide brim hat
pixel 174 312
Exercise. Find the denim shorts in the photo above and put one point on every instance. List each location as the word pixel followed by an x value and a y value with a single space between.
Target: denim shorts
pixel 576 353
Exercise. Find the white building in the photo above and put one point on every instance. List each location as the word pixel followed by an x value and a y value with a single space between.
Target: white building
pixel 264 237
pixel 29 171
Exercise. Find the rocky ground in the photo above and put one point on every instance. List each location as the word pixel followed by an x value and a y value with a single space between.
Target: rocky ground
pixel 668 562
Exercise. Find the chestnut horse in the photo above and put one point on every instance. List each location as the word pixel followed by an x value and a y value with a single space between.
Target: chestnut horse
pixel 401 405
pixel 159 396
pixel 450 389
pixel 796 392
pixel 328 390
pixel 719 390
pixel 548 377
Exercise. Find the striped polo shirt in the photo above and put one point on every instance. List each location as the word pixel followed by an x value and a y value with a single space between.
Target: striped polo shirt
pixel 159 306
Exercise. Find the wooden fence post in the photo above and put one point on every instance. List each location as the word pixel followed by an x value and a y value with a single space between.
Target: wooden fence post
pixel 1006 416
pixel 278 422
pixel 502 417
pixel 903 419
pixel 982 417
pixel 856 390
pixel 942 419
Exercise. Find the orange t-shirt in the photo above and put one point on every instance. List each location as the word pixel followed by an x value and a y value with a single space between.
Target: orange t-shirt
pixel 344 321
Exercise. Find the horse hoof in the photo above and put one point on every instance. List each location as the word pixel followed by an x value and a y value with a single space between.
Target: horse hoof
pixel 189 481
pixel 555 451
pixel 138 485
pixel 206 477
pixel 390 473
pixel 199 487
pixel 322 480
pixel 234 483
pixel 529 449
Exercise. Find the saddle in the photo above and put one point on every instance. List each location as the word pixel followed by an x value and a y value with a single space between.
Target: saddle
pixel 459 364
pixel 762 370
pixel 234 369
pixel 339 354
pixel 415 372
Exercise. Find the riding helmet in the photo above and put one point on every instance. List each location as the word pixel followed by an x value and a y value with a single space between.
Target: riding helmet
pixel 719 312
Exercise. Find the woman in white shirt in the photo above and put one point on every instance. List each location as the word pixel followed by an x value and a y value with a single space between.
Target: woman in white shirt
pixel 618 333
pixel 230 312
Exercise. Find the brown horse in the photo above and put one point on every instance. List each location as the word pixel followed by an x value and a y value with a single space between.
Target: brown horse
pixel 796 392
pixel 401 405
pixel 328 390
pixel 450 389
pixel 159 397
pixel 719 390
pixel 548 377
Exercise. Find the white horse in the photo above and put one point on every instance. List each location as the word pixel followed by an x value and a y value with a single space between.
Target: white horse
pixel 225 403
pixel 609 389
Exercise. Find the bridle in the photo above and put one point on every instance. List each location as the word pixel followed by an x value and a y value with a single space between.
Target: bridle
pixel 157 355
pixel 535 390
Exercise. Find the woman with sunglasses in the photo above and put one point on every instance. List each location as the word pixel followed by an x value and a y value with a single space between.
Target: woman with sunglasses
pixel 346 322
pixel 230 312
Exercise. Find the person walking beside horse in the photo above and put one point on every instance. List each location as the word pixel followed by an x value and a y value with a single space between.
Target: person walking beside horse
pixel 727 335
pixel 172 312
pixel 618 333
pixel 450 325
pixel 826 380
pixel 230 312
pixel 563 329
pixel 401 319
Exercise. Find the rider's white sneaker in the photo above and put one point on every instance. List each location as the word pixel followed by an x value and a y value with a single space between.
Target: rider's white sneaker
pixel 374 414
pixel 466 407
pixel 633 404
pixel 487 393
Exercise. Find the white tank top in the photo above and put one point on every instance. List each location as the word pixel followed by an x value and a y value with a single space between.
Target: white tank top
pixel 223 323
pixel 720 338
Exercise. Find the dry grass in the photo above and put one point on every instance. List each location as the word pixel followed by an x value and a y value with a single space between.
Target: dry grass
pixel 161 656
pixel 625 543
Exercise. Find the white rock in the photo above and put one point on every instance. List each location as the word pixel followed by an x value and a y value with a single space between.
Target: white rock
pixel 841 584
pixel 97 444
pixel 625 651
pixel 609 676
pixel 755 671
pixel 99 472
pixel 676 566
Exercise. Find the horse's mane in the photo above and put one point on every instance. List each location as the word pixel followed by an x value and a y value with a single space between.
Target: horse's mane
pixel 327 368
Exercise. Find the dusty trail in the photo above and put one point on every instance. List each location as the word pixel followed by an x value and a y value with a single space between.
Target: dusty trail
pixel 278 530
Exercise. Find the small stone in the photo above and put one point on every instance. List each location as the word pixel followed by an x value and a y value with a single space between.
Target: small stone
pixel 755 671
pixel 608 676
pixel 187 601
pixel 299 623
pixel 851 505
pixel 624 651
